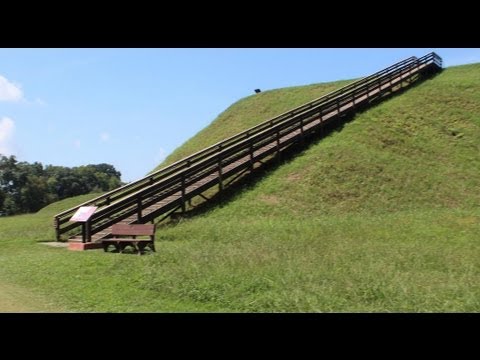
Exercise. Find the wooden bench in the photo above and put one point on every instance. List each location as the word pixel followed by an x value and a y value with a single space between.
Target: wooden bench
pixel 119 231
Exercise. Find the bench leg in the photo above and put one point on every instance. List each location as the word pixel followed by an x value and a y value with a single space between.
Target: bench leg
pixel 138 248
pixel 151 245
pixel 141 248
pixel 122 246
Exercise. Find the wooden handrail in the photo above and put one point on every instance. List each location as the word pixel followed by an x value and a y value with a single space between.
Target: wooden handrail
pixel 130 195
pixel 180 163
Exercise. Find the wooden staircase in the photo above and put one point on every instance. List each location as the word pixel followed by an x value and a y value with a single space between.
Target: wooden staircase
pixel 168 190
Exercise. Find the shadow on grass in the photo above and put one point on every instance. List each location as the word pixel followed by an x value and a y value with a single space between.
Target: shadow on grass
pixel 129 251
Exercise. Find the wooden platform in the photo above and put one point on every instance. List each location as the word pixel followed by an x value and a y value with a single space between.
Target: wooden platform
pixel 79 246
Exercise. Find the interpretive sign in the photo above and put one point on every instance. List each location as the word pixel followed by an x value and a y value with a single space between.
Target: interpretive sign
pixel 83 213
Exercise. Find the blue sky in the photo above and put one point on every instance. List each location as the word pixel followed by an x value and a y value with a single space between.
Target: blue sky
pixel 132 107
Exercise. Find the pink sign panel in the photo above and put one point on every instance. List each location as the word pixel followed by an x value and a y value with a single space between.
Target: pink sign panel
pixel 83 213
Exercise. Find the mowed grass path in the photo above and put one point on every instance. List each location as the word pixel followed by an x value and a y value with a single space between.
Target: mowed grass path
pixel 381 216
pixel 16 299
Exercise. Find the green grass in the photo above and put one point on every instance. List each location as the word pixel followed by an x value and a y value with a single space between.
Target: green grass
pixel 382 216
pixel 249 112
pixel 408 261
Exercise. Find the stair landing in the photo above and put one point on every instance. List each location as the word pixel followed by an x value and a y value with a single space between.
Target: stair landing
pixel 77 245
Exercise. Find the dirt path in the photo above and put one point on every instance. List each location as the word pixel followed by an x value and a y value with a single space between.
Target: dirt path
pixel 14 298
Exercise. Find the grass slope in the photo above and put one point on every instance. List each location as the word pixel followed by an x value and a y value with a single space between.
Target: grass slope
pixel 249 112
pixel 419 150
pixel 380 216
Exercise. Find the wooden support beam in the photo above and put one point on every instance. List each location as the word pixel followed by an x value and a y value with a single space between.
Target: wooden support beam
pixel 204 197
pixel 220 175
pixel 278 146
pixel 84 233
pixel 139 210
pixel 88 230
pixel 183 193
pixel 302 139
pixel 251 156
pixel 168 214
pixel 236 177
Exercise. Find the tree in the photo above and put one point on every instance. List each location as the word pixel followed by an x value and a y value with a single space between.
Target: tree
pixel 28 187
pixel 2 200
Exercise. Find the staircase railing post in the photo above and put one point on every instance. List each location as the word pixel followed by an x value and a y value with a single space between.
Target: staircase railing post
pixel 56 224
pixel 220 173
pixel 84 232
pixel 302 134
pixel 88 230
pixel 139 209
pixel 251 155
pixel 183 194
pixel 278 145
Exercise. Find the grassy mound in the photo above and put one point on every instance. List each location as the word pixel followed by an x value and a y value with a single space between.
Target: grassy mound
pixel 249 112
pixel 382 215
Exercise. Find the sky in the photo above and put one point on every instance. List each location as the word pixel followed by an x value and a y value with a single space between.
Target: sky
pixel 132 107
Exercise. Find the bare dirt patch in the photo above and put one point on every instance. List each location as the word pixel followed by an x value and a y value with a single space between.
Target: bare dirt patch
pixel 270 199
pixel 294 177
pixel 55 244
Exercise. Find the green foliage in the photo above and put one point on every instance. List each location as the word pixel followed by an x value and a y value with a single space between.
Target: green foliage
pixel 28 187
pixel 380 216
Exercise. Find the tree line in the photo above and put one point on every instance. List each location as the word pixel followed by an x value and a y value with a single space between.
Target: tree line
pixel 26 187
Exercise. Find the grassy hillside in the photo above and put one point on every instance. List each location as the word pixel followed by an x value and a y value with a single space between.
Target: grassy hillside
pixel 249 112
pixel 418 149
pixel 382 215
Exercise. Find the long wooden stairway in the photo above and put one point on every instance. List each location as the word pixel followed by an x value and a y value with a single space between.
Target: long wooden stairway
pixel 169 189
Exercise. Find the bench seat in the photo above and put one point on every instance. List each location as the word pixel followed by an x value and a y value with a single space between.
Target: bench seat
pixel 120 240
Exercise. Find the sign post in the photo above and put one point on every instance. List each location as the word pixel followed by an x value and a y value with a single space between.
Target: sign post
pixel 83 214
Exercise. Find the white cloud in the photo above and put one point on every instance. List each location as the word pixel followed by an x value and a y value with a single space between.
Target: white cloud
pixel 77 144
pixel 7 128
pixel 104 137
pixel 9 91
